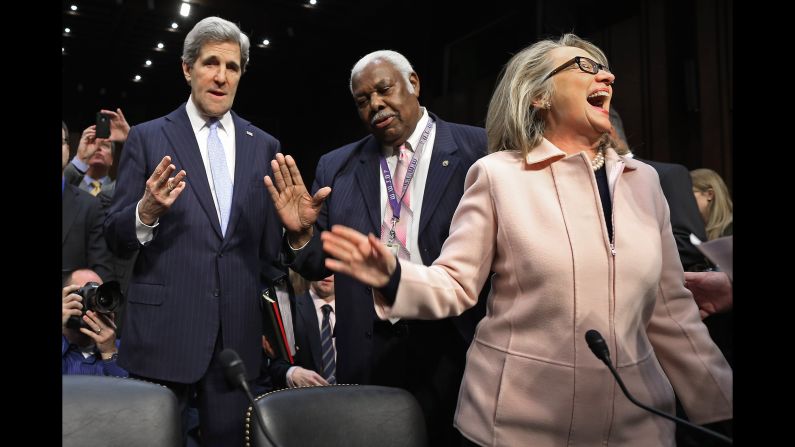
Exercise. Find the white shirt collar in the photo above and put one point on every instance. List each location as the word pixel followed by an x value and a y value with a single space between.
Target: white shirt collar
pixel 198 121
pixel 319 302
pixel 414 138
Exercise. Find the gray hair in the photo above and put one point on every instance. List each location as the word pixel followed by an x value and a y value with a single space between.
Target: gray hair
pixel 512 122
pixel 214 29
pixel 393 57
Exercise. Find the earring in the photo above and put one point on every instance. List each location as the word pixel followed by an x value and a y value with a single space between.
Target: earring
pixel 545 104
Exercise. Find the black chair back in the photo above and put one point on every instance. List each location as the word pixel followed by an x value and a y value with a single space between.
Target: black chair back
pixel 338 416
pixel 114 411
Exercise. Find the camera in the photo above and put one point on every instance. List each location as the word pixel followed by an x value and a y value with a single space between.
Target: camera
pixel 102 299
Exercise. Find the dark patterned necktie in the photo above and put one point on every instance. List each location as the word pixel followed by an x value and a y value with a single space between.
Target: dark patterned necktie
pixel 327 347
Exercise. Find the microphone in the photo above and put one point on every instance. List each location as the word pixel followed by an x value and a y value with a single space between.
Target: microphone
pixel 599 348
pixel 235 372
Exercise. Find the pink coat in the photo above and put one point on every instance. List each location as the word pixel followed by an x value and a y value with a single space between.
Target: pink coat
pixel 530 377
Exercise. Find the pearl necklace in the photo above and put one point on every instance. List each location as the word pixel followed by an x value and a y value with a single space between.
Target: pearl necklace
pixel 599 160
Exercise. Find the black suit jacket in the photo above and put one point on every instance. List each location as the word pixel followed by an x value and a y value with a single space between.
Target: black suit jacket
pixel 82 244
pixel 307 341
pixel 685 217
pixel 426 358
pixel 191 283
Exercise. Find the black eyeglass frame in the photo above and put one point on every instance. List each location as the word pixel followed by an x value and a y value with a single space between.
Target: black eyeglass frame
pixel 576 59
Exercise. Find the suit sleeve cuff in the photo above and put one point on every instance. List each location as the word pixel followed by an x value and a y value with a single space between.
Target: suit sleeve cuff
pixel 389 291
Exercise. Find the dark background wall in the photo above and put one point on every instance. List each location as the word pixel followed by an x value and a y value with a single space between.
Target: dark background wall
pixel 673 62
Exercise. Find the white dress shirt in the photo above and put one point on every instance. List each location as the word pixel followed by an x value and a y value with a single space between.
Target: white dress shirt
pixel 201 128
pixel 417 185
pixel 332 321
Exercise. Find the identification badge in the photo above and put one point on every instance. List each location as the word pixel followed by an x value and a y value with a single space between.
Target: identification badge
pixel 394 247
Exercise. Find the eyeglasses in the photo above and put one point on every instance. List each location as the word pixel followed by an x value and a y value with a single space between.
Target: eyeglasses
pixel 587 65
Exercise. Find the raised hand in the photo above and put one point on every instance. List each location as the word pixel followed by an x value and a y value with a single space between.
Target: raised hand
pixel 297 210
pixel 87 145
pixel 119 129
pixel 364 258
pixel 161 191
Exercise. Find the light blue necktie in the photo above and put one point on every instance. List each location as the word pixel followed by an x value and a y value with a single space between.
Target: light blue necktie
pixel 221 180
pixel 327 347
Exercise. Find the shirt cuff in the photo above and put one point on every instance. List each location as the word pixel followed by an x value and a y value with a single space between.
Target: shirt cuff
pixel 82 167
pixel 289 377
pixel 145 233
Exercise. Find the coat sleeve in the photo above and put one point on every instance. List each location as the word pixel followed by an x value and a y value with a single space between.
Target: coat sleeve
pixel 130 185
pixel 452 283
pixel 699 374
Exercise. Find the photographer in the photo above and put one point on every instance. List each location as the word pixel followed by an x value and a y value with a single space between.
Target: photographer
pixel 92 349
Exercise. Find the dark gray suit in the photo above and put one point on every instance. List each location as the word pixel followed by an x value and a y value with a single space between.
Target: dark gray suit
pixel 82 244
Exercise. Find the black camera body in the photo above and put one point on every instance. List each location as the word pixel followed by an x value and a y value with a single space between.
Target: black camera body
pixel 102 299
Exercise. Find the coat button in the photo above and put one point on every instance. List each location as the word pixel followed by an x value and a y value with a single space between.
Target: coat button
pixel 369 289
pixel 216 293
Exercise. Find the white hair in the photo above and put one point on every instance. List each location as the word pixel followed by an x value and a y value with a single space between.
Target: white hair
pixel 393 57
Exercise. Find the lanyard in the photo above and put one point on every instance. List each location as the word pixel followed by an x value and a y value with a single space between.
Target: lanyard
pixel 394 202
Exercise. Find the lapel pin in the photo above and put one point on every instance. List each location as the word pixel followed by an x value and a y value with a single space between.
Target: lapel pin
pixel 445 163
pixel 249 133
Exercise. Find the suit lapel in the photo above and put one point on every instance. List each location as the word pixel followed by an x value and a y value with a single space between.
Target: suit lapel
pixel 439 172
pixel 367 175
pixel 69 204
pixel 244 160
pixel 179 132
pixel 308 315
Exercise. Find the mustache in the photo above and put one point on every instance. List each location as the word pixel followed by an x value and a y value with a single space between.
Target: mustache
pixel 381 115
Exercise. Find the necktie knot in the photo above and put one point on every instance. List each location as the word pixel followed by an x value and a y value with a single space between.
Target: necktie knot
pixel 326 309
pixel 97 187
pixel 213 123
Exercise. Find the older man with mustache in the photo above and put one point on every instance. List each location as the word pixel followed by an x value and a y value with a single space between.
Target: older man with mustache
pixel 403 181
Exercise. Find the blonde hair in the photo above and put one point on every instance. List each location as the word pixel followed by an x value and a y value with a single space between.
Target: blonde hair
pixel 512 123
pixel 721 207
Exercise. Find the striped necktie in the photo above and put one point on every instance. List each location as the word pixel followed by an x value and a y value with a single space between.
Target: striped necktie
pixel 327 347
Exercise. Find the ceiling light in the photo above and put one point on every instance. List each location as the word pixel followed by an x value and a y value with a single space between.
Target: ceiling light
pixel 160 45
pixel 184 9
pixel 73 7
pixel 266 42
pixel 174 25
pixel 67 30
pixel 148 62
pixel 313 2
pixel 137 78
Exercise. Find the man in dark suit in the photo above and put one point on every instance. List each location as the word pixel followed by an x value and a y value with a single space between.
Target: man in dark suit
pixel 82 244
pixel 307 319
pixel 424 357
pixel 678 191
pixel 202 239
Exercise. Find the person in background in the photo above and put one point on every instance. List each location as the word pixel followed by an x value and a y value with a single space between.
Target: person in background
pixel 92 349
pixel 82 244
pixel 714 202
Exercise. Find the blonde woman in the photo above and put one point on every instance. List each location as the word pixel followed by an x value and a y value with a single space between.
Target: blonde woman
pixel 714 202
pixel 574 237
